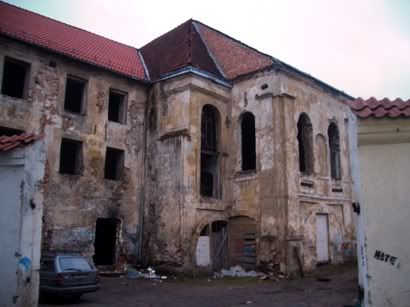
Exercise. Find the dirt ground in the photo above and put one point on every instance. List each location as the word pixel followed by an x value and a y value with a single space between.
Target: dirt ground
pixel 332 288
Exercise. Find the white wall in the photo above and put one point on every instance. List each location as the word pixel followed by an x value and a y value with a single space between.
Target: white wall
pixel 384 150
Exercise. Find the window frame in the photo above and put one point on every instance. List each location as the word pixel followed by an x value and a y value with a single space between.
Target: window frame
pixel 83 106
pixel 78 167
pixel 27 73
pixel 122 109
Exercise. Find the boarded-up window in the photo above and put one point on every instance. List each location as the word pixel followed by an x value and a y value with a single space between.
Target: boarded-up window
pixel 334 149
pixel 248 141
pixel 305 140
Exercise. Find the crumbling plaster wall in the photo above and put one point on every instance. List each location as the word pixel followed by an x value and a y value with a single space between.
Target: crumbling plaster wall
pixel 175 212
pixel 288 209
pixel 284 211
pixel 73 202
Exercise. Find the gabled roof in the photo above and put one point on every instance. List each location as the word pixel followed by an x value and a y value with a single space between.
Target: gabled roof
pixel 234 57
pixel 192 46
pixel 179 48
pixel 11 142
pixel 76 43
pixel 380 108
pixel 197 45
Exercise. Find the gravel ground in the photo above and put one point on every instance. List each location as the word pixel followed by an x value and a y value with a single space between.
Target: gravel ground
pixel 333 288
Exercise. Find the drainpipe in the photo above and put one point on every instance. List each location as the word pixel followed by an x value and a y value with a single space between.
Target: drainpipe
pixel 142 191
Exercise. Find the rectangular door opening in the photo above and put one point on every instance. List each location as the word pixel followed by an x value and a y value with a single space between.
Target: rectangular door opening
pixel 105 241
pixel 322 238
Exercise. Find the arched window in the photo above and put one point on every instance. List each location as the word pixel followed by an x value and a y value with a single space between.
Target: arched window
pixel 248 142
pixel 305 140
pixel 334 149
pixel 209 155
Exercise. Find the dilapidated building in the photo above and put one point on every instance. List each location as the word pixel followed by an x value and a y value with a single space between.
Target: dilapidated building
pixel 195 150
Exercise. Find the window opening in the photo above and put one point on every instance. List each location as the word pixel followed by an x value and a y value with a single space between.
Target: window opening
pixel 15 74
pixel 304 137
pixel 334 148
pixel 117 107
pixel 74 95
pixel 10 131
pixel 105 242
pixel 70 156
pixel 248 142
pixel 209 180
pixel 114 162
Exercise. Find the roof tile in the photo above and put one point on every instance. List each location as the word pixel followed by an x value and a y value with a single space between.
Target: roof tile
pixel 380 108
pixel 85 46
pixel 10 142
pixel 234 57
pixel 177 49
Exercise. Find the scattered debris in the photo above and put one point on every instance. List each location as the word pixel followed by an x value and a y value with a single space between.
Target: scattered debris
pixel 149 273
pixel 236 271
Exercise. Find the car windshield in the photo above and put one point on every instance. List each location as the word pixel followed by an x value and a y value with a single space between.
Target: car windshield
pixel 74 263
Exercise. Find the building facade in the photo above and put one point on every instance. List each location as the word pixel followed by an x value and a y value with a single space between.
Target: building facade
pixel 384 151
pixel 194 152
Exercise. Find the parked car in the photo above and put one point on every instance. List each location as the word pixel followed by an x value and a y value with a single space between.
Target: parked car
pixel 67 274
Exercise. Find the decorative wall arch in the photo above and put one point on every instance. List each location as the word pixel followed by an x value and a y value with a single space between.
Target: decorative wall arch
pixel 321 155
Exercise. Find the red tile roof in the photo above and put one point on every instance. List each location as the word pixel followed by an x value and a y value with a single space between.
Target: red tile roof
pixel 176 49
pixel 234 57
pixel 10 142
pixel 380 108
pixel 82 45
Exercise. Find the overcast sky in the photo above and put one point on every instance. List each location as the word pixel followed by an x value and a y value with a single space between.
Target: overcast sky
pixel 361 47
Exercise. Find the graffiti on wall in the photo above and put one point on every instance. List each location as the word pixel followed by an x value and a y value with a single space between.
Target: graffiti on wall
pixel 384 257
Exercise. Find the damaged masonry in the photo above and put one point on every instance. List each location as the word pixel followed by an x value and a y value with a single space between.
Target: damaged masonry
pixel 201 160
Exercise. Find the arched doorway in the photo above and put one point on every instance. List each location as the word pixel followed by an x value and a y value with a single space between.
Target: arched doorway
pixel 212 246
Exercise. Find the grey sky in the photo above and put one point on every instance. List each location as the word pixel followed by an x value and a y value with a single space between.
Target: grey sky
pixel 359 46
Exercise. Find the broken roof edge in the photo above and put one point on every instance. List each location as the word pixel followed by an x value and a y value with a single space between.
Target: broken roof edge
pixel 145 81
pixel 195 71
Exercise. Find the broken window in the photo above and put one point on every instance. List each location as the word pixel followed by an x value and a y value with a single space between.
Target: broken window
pixel 70 156
pixel 74 95
pixel 15 78
pixel 117 107
pixel 114 163
pixel 209 156
pixel 248 141
pixel 105 242
pixel 334 149
pixel 305 139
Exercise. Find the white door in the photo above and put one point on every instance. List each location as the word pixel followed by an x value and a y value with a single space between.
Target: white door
pixel 322 238
pixel 10 206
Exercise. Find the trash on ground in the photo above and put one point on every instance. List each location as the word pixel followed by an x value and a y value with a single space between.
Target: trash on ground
pixel 148 273
pixel 236 271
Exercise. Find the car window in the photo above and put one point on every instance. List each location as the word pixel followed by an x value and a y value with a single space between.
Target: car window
pixel 74 263
pixel 47 265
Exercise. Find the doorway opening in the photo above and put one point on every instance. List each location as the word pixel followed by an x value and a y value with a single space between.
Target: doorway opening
pixel 242 242
pixel 322 238
pixel 105 243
